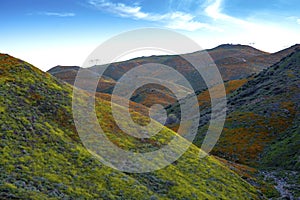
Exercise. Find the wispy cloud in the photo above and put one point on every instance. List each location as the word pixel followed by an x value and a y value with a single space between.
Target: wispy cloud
pixel 209 15
pixel 183 21
pixel 243 30
pixel 57 14
pixel 174 19
pixel 119 9
pixel 214 11
pixel 294 19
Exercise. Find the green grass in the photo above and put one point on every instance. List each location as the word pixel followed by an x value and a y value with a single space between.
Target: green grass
pixel 42 156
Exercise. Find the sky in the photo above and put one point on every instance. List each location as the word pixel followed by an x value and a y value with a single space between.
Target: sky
pixel 64 32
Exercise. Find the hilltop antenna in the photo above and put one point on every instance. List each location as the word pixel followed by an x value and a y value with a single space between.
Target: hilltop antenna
pixel 94 61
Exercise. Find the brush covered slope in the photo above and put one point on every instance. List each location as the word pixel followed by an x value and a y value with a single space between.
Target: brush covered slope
pixel 263 120
pixel 263 115
pixel 69 73
pixel 42 156
pixel 262 125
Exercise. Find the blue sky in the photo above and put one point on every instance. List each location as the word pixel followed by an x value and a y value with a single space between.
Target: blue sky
pixel 49 33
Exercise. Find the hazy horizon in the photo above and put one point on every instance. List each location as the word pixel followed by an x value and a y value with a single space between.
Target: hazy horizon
pixel 51 33
pixel 149 54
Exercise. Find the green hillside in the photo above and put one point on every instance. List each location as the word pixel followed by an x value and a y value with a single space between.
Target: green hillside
pixel 42 156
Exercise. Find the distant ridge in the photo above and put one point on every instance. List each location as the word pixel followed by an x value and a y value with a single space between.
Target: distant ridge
pixel 236 46
pixel 59 69
pixel 234 62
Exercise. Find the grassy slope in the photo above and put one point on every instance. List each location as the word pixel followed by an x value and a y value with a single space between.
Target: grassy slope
pixel 42 157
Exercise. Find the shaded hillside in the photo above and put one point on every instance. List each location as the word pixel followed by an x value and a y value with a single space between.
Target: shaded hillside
pixel 263 117
pixel 262 113
pixel 204 104
pixel 239 61
pixel 153 94
pixel 226 57
pixel 42 156
pixel 60 68
pixel 262 125
pixel 233 61
pixel 69 73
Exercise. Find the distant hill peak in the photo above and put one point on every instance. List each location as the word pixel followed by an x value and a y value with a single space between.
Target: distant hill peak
pixel 231 45
pixel 235 47
pixel 295 47
pixel 60 68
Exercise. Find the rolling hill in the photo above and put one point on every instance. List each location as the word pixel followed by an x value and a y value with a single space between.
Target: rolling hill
pixel 42 156
pixel 234 62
